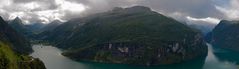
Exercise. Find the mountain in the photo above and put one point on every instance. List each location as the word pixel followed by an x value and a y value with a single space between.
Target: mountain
pixel 51 26
pixel 18 25
pixel 33 30
pixel 35 27
pixel 29 31
pixel 225 35
pixel 59 33
pixel 135 35
pixel 12 46
pixel 203 27
pixel 19 43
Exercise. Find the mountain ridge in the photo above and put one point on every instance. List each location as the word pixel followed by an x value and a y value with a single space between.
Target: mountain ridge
pixel 13 52
pixel 224 35
pixel 123 33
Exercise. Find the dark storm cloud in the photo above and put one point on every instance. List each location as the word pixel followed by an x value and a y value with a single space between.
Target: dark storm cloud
pixel 195 8
pixel 192 8
pixel 23 1
pixel 48 10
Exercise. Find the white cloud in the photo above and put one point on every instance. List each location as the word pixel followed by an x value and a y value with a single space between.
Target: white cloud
pixel 203 24
pixel 70 6
pixel 34 10
pixel 16 14
pixel 231 11
pixel 5 3
pixel 208 19
pixel 31 5
pixel 43 11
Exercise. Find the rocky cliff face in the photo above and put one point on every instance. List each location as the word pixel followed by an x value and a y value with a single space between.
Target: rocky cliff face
pixel 225 35
pixel 133 35
pixel 167 52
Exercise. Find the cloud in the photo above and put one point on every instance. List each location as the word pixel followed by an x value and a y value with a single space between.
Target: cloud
pixel 203 24
pixel 44 11
pixel 230 11
pixel 49 10
pixel 176 9
pixel 208 19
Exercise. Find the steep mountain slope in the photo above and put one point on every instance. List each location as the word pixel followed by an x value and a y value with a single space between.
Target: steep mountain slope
pixel 19 43
pixel 9 59
pixel 29 31
pixel 203 27
pixel 18 25
pixel 35 28
pixel 51 26
pixel 225 35
pixel 60 33
pixel 133 35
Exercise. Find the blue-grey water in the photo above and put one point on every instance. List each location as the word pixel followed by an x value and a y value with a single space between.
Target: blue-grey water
pixel 216 59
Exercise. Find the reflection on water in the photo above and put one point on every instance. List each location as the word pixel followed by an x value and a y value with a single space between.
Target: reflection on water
pixel 53 59
pixel 227 56
pixel 212 61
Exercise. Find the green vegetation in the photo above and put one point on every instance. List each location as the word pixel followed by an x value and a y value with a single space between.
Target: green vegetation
pixel 8 57
pixel 19 43
pixel 10 60
pixel 133 35
pixel 14 49
pixel 225 35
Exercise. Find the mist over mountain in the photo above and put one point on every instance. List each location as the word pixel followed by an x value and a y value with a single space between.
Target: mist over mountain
pixel 46 11
pixel 51 26
pixel 205 28
pixel 187 34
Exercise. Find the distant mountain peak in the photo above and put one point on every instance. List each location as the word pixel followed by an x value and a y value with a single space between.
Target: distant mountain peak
pixel 1 19
pixel 134 9
pixel 16 22
pixel 56 21
pixel 140 8
pixel 117 9
pixel 17 18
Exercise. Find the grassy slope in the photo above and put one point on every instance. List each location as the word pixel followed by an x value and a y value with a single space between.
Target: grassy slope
pixel 10 60
pixel 7 55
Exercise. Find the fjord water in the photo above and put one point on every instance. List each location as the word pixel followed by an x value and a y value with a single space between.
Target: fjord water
pixel 216 59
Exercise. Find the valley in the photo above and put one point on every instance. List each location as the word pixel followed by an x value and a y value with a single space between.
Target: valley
pixel 216 59
pixel 135 37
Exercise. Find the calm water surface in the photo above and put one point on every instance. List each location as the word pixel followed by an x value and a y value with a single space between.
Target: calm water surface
pixel 216 59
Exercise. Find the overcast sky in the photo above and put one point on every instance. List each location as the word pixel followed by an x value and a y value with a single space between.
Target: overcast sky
pixel 191 11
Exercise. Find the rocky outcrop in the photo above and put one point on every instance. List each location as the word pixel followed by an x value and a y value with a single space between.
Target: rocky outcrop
pixel 137 53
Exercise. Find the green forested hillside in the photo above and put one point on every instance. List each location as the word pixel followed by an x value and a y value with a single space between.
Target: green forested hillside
pixel 225 35
pixel 134 35
pixel 11 60
pixel 19 43
pixel 14 49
